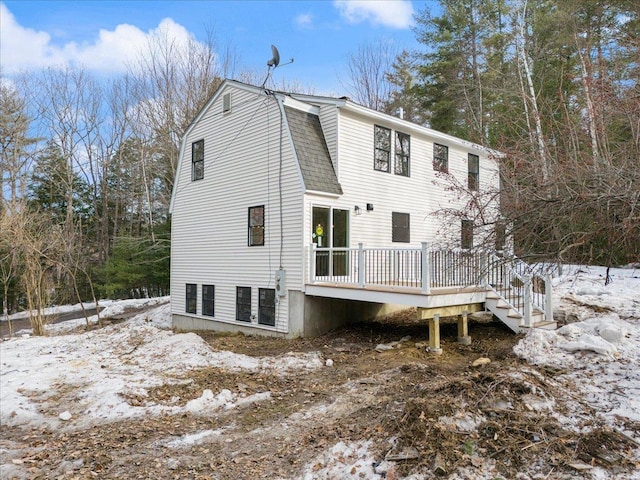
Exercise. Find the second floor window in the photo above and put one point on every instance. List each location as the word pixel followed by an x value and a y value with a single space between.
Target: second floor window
pixel 197 160
pixel 382 149
pixel 402 154
pixel 474 172
pixel 256 226
pixel 440 158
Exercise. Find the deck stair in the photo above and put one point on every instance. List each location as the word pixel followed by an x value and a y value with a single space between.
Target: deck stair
pixel 518 296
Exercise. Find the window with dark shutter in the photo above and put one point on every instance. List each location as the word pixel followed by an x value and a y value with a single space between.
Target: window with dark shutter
pixel 400 227
pixel 466 234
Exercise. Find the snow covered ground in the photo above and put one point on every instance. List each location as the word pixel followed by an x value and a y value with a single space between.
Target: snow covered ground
pixel 93 373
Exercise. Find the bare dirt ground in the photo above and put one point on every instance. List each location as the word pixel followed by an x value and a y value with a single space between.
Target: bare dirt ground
pixel 440 412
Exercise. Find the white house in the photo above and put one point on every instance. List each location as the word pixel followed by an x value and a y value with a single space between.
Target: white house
pixel 293 213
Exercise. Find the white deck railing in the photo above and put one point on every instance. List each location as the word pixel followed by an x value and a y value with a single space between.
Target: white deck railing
pixel 424 269
pixel 400 267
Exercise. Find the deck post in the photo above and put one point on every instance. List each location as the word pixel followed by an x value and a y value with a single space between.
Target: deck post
pixel 361 265
pixel 548 300
pixel 527 301
pixel 434 335
pixel 484 269
pixel 463 330
pixel 312 263
pixel 426 269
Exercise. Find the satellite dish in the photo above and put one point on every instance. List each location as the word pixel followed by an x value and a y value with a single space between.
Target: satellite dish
pixel 275 61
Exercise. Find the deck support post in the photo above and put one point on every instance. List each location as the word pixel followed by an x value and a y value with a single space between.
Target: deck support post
pixel 463 330
pixel 434 335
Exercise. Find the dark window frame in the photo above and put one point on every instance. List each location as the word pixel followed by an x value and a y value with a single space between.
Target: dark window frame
pixel 381 149
pixel 197 160
pixel 243 304
pixel 400 227
pixel 440 158
pixel 466 234
pixel 256 228
pixel 402 163
pixel 500 232
pixel 191 298
pixel 267 306
pixel 473 168
pixel 208 300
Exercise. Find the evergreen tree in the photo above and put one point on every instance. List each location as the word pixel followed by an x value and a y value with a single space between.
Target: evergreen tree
pixel 51 183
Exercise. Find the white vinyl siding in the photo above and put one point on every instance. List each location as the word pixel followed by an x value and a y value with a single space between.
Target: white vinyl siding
pixel 209 224
pixel 419 195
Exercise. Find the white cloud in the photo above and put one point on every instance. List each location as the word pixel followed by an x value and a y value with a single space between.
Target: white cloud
pixel 23 48
pixel 304 20
pixel 390 13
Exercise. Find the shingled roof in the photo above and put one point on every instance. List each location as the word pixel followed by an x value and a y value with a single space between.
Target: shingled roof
pixel 312 151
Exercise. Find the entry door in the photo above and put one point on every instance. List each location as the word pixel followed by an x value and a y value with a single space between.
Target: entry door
pixel 320 230
pixel 330 229
pixel 340 239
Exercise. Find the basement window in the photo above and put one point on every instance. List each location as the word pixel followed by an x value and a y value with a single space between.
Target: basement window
pixel 267 307
pixel 243 304
pixel 208 300
pixel 191 298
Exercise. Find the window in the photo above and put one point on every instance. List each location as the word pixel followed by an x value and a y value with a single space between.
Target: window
pixel 402 154
pixel 382 154
pixel 243 304
pixel 267 307
pixel 256 226
pixel 466 235
pixel 208 300
pixel 191 298
pixel 197 160
pixel 501 235
pixel 474 172
pixel 400 227
pixel 440 158
pixel 226 102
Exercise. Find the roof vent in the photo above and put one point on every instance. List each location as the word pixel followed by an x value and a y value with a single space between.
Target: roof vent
pixel 226 102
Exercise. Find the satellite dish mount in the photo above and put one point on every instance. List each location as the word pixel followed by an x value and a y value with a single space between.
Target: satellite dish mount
pixel 274 63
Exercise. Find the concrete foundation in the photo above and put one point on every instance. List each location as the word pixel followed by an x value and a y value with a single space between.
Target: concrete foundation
pixel 308 317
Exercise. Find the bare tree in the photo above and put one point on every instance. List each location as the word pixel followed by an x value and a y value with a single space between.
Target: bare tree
pixel 367 81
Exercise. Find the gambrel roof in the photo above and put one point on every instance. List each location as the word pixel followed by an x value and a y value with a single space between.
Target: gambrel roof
pixel 312 152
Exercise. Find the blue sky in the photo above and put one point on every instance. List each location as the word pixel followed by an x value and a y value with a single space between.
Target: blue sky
pixel 100 35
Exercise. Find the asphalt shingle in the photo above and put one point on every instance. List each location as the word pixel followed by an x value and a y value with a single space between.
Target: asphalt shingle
pixel 312 151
